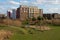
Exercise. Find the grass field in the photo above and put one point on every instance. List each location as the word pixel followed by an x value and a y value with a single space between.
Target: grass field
pixel 25 34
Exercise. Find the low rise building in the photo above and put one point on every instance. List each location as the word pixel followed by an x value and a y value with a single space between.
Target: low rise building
pixel 47 16
pixel 2 16
pixel 57 16
pixel 51 16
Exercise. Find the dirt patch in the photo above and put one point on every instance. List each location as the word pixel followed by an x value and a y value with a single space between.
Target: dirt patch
pixel 45 28
pixel 5 35
pixel 41 27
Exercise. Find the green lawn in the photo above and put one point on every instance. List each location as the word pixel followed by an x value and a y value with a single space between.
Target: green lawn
pixel 24 34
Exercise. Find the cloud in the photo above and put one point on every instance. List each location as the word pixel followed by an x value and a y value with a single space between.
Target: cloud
pixel 24 2
pixel 13 7
pixel 48 1
pixel 10 10
pixel 56 2
pixel 45 4
pixel 2 8
pixel 14 2
pixel 52 10
pixel 40 1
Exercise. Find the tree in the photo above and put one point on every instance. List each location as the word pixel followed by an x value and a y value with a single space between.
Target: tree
pixel 33 19
pixel 25 22
pixel 39 18
pixel 40 21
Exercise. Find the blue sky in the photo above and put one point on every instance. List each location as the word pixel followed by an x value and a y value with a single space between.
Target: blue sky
pixel 48 6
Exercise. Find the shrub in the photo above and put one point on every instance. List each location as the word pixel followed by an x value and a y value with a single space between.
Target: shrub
pixel 39 18
pixel 33 19
pixel 25 22
pixel 30 32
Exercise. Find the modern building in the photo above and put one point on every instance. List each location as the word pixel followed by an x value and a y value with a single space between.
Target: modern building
pixel 9 14
pixel 27 12
pixel 18 13
pixel 13 13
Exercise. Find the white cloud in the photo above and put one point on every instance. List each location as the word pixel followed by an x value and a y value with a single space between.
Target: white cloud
pixel 13 7
pixel 14 2
pixel 40 1
pixel 52 10
pixel 2 8
pixel 34 3
pixel 56 2
pixel 52 2
pixel 10 10
pixel 48 1
pixel 24 2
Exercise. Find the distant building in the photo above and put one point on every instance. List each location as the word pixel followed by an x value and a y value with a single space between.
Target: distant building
pixel 51 16
pixel 33 12
pixel 24 10
pixel 9 14
pixel 18 13
pixel 56 16
pixel 13 13
pixel 28 12
pixel 47 16
pixel 41 12
pixel 2 16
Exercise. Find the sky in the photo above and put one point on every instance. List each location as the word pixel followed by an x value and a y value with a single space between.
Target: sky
pixel 48 6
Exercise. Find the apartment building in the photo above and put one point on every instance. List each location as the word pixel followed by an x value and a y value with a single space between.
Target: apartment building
pixel 24 10
pixel 27 12
pixel 33 12
pixel 18 13
pixel 41 12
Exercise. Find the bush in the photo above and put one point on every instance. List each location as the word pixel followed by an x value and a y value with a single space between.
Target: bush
pixel 30 32
pixel 33 19
pixel 25 22
pixel 39 18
